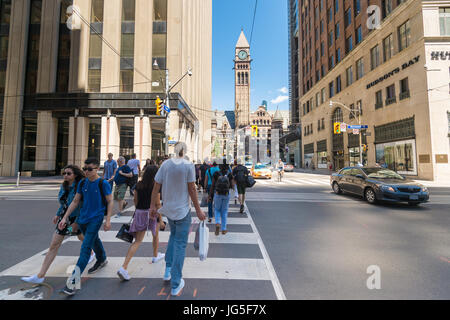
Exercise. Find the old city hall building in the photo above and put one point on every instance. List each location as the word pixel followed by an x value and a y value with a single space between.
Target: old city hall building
pixel 79 78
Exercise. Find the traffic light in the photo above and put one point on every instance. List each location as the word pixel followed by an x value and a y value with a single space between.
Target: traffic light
pixel 364 147
pixel 337 127
pixel 159 106
pixel 254 131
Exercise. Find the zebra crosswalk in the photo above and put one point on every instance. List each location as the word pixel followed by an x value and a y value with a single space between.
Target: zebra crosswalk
pixel 295 181
pixel 238 255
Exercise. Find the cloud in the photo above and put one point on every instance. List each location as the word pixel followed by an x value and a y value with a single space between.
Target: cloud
pixel 283 90
pixel 279 99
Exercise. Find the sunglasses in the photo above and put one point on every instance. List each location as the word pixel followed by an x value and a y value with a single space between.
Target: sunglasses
pixel 67 173
pixel 89 169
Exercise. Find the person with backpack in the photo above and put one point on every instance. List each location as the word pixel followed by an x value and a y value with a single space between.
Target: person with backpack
pixel 203 169
pixel 208 183
pixel 122 178
pixel 240 174
pixel 143 221
pixel 95 194
pixel 72 177
pixel 220 190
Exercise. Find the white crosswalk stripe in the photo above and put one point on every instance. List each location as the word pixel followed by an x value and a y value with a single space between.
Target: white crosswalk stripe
pixel 294 181
pixel 236 268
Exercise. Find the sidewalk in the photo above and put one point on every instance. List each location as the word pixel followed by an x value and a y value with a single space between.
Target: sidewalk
pixel 32 180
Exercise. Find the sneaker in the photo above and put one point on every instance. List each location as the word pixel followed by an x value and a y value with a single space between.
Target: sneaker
pixel 158 258
pixel 92 257
pixel 217 229
pixel 167 275
pixel 68 291
pixel 235 201
pixel 178 289
pixel 224 232
pixel 123 274
pixel 97 266
pixel 242 208
pixel 209 220
pixel 33 279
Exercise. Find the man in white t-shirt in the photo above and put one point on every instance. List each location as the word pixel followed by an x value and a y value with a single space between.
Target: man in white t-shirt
pixel 177 178
pixel 135 166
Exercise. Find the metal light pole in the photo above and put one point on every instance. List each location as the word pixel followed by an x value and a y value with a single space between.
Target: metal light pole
pixel 168 89
pixel 359 122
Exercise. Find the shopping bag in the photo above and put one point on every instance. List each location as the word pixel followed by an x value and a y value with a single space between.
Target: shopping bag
pixel 203 241
pixel 250 181
pixel 197 237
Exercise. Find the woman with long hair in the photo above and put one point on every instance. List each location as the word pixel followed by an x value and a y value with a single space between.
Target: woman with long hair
pixel 143 221
pixel 72 176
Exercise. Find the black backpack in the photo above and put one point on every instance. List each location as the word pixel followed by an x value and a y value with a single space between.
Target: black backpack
pixel 222 184
pixel 240 175
pixel 100 186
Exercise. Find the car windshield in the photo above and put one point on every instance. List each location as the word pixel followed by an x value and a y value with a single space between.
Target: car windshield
pixel 260 166
pixel 382 173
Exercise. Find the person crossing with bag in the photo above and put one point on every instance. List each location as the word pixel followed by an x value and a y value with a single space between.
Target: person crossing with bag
pixel 72 176
pixel 95 193
pixel 208 183
pixel 220 190
pixel 143 221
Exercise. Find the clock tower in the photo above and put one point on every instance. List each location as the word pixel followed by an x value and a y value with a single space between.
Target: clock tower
pixel 242 70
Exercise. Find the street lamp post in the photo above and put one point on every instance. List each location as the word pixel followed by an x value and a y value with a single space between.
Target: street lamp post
pixel 359 122
pixel 168 89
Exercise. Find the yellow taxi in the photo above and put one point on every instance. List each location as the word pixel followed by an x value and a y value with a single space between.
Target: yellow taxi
pixel 261 171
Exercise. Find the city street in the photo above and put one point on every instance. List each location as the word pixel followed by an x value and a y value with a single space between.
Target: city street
pixel 297 240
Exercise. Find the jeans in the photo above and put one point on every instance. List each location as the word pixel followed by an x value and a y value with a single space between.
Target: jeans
pixel 210 204
pixel 221 203
pixel 91 242
pixel 176 248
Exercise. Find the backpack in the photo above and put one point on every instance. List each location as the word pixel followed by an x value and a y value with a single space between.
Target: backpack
pixel 100 186
pixel 222 184
pixel 240 175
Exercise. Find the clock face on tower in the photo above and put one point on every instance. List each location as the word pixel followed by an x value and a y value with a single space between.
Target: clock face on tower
pixel 242 55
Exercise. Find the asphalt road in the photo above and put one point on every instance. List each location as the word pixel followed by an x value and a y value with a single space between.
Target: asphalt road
pixel 319 244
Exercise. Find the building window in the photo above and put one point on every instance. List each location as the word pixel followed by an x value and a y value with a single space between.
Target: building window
pixel 331 89
pixel 126 80
pixel 348 17
pixel 29 133
pixel 317 99
pixel 126 136
pixel 94 80
pixel 374 57
pixel 338 55
pixel 387 8
pixel 390 95
pixel 348 44
pixel 322 95
pixel 316 34
pixel 349 73
pixel 404 89
pixel 358 35
pixel 330 14
pixel 378 99
pixel 330 38
pixel 321 26
pixel 388 48
pixel 338 31
pixel 128 10
pixel 357 6
pixel 359 69
pixel 97 11
pixel 404 36
pixel 331 62
pixel 444 21
pixel 322 71
pixel 322 49
pixel 338 84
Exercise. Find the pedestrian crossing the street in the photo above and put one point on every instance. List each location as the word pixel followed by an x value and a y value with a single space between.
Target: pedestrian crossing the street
pixel 239 257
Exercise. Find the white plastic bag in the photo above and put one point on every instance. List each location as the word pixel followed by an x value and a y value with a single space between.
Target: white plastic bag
pixel 204 241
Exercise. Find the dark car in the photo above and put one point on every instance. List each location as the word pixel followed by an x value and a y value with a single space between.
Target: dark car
pixel 378 184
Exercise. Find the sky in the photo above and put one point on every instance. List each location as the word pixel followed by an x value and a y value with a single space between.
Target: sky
pixel 268 49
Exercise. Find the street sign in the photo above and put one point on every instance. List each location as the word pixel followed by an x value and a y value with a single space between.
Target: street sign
pixel 172 142
pixel 166 109
pixel 355 131
pixel 357 127
pixel 343 127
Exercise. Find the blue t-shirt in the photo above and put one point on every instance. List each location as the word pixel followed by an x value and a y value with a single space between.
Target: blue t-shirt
pixel 210 174
pixel 70 196
pixel 109 168
pixel 93 206
pixel 120 179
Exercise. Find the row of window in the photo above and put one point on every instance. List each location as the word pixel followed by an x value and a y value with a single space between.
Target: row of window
pixel 390 94
pixel 242 78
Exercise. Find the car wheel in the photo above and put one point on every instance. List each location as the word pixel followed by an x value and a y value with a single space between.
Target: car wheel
pixel 370 196
pixel 336 188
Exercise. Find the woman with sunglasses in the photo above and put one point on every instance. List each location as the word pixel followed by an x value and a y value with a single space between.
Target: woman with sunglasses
pixel 143 221
pixel 72 176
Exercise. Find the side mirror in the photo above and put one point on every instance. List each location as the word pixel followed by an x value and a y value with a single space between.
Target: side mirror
pixel 360 176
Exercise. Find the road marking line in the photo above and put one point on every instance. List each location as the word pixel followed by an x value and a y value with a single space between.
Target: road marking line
pixel 162 293
pixel 140 291
pixel 273 275
pixel 195 292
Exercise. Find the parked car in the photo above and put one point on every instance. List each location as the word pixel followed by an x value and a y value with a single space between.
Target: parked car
pixel 261 171
pixel 378 184
pixel 288 167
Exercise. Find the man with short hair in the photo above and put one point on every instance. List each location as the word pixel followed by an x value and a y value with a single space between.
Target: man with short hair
pixel 109 169
pixel 177 178
pixel 240 174
pixel 123 173
pixel 97 203
pixel 135 166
